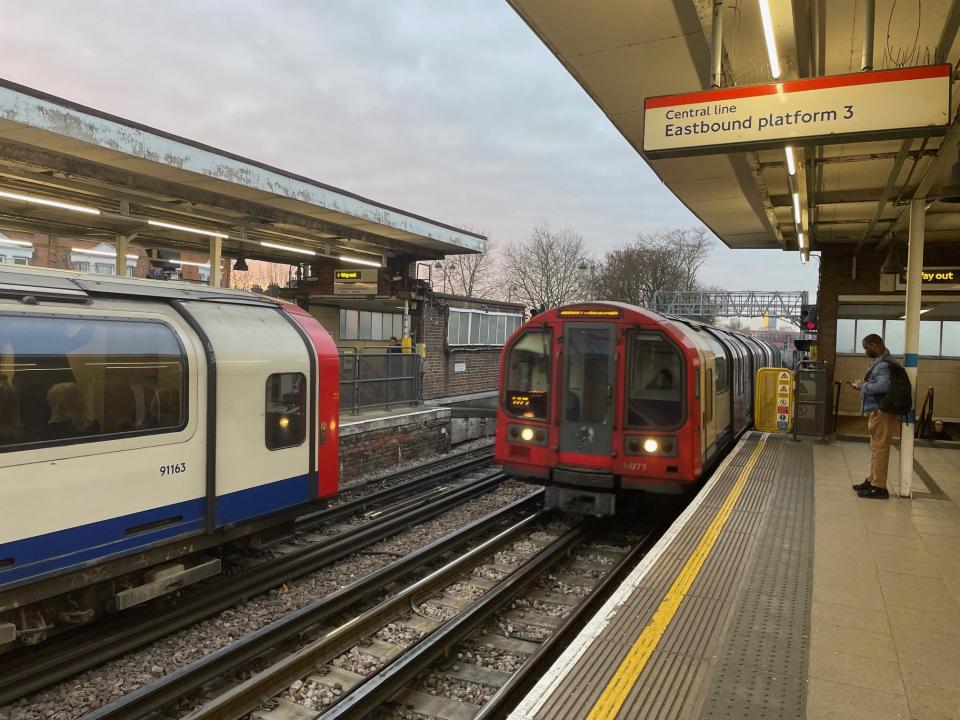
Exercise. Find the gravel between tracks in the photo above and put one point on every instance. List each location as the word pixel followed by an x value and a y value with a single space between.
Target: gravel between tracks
pixel 86 692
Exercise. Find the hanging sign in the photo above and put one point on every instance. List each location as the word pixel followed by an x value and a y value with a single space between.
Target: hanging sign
pixel 934 278
pixel 837 108
pixel 355 282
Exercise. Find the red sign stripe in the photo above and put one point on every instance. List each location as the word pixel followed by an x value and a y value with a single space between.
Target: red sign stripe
pixel 792 86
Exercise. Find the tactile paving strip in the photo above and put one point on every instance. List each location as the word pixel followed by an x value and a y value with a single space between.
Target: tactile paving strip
pixel 761 669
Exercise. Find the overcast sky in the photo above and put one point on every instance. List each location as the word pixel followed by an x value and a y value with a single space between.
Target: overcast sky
pixel 449 109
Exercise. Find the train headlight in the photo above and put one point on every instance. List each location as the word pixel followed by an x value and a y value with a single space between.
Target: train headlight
pixel 650 445
pixel 527 434
pixel 284 422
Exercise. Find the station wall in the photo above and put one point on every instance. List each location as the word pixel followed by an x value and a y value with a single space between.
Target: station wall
pixel 836 279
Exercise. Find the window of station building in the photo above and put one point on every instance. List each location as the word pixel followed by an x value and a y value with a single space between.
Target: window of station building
pixel 937 338
pixel 368 325
pixel 527 386
pixel 481 328
pixel 286 411
pixel 68 380
pixel 654 383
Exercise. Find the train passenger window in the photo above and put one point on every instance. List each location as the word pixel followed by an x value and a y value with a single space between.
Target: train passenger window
pixel 286 410
pixel 527 386
pixel 67 380
pixel 654 383
pixel 721 360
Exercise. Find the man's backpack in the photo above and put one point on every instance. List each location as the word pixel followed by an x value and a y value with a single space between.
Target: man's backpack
pixel 899 398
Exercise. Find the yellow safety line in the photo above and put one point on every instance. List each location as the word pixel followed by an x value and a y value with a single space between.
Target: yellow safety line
pixel 615 693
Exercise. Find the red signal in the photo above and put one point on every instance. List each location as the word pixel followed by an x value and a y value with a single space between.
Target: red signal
pixel 811 325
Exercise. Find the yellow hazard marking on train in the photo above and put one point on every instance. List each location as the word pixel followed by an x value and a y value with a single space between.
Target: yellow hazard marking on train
pixel 615 693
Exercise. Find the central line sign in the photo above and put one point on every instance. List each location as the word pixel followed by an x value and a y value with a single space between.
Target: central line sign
pixel 839 108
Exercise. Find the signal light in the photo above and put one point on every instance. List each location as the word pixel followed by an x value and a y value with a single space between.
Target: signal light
pixel 808 318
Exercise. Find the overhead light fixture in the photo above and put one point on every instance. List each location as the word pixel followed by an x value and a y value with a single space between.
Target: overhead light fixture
pixel 49 203
pixel 18 243
pixel 791 163
pixel 288 248
pixel 188 229
pixel 241 264
pixel 190 262
pixel 950 190
pixel 801 241
pixel 101 253
pixel 796 208
pixel 922 311
pixel 359 261
pixel 768 36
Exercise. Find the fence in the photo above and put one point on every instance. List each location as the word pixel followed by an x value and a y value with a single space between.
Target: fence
pixel 378 379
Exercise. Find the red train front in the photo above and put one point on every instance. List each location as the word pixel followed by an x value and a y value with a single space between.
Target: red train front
pixel 601 399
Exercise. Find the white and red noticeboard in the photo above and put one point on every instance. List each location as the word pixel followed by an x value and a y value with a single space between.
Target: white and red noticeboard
pixel 837 108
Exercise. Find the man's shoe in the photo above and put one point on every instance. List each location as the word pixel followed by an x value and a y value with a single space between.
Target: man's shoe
pixel 874 492
pixel 865 485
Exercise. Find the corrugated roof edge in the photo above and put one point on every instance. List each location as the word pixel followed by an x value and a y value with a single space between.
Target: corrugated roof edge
pixel 77 107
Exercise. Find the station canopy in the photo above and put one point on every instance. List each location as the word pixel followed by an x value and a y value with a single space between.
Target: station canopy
pixel 623 51
pixel 70 170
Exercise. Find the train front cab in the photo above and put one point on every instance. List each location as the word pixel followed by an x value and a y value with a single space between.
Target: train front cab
pixel 626 417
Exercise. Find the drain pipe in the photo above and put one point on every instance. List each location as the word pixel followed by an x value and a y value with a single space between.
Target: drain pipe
pixel 866 57
pixel 716 57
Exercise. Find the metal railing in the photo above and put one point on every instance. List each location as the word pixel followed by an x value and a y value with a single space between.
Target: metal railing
pixel 378 379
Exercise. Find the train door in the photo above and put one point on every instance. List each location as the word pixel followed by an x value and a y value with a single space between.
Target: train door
pixel 588 399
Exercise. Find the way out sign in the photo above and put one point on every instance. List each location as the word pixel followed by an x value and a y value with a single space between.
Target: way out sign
pixel 838 108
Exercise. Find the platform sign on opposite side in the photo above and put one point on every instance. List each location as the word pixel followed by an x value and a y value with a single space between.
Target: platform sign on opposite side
pixel 822 110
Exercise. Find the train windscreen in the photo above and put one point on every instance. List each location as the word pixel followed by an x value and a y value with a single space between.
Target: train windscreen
pixel 528 376
pixel 654 383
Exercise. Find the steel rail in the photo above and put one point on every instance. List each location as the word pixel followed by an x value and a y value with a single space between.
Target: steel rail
pixel 509 695
pixel 247 696
pixel 397 675
pixel 29 672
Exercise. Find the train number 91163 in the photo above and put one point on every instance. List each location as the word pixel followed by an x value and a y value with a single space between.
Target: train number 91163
pixel 173 469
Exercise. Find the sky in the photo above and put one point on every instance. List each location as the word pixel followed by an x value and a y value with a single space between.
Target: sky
pixel 452 110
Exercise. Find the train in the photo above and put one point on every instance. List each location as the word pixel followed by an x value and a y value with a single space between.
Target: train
pixel 604 402
pixel 143 424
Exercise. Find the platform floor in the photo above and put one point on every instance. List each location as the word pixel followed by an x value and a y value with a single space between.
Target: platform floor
pixel 780 594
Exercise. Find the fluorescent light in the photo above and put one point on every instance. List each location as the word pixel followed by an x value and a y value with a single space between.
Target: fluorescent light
pixel 922 311
pixel 796 208
pixel 19 243
pixel 791 165
pixel 801 241
pixel 359 261
pixel 185 228
pixel 769 38
pixel 190 262
pixel 102 253
pixel 288 248
pixel 49 203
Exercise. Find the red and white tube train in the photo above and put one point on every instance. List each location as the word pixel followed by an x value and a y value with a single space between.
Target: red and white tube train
pixel 600 400
pixel 143 424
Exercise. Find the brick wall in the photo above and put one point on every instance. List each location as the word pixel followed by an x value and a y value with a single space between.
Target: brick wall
pixel 373 447
pixel 836 263
pixel 478 367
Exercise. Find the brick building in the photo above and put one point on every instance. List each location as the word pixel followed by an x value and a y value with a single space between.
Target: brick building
pixel 99 257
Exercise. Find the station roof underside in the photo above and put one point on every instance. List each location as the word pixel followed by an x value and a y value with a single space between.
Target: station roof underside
pixel 622 52
pixel 56 149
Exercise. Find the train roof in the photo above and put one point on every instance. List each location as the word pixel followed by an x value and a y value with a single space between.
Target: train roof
pixel 69 285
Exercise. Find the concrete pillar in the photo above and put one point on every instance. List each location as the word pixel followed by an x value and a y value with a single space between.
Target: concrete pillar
pixel 911 336
pixel 123 247
pixel 216 245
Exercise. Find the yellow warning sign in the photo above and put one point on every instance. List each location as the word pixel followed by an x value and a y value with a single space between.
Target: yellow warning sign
pixel 773 406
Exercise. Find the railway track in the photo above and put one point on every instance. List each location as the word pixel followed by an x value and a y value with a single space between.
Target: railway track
pixel 523 592
pixel 380 507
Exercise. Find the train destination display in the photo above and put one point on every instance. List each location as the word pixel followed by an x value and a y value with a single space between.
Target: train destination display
pixel 824 109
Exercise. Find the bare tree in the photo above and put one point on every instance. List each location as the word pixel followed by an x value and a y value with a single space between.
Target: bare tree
pixel 472 275
pixel 663 260
pixel 542 270
pixel 261 274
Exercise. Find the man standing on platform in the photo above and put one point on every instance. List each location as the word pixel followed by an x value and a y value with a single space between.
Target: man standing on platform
pixel 882 424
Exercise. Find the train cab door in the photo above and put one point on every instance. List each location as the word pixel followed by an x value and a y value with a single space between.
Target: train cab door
pixel 587 412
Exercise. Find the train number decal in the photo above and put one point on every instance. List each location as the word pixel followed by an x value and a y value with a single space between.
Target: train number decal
pixel 173 469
